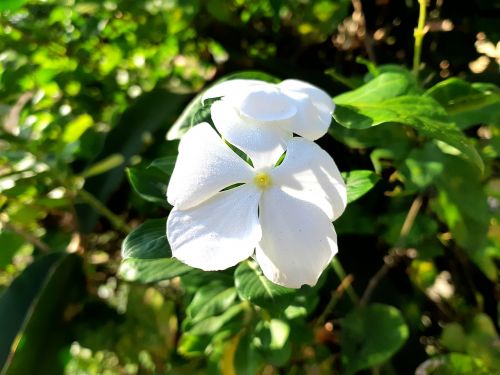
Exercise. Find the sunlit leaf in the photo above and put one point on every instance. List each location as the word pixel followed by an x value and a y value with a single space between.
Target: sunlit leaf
pixel 359 183
pixel 389 98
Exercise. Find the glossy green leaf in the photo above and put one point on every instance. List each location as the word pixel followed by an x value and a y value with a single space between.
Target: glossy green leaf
pixel 359 183
pixel 370 336
pixel 165 165
pixel 468 104
pixel 151 270
pixel 150 184
pixel 197 111
pixel 38 296
pixel 147 241
pixel 253 286
pixel 388 98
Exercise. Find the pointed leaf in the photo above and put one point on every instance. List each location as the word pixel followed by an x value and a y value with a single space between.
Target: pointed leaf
pixel 359 183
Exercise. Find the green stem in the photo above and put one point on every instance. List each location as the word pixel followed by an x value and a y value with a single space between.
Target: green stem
pixel 419 36
pixel 114 219
pixel 339 270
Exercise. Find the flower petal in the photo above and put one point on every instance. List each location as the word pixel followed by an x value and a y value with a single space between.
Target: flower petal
pixel 218 233
pixel 228 87
pixel 315 113
pixel 310 174
pixel 205 166
pixel 262 142
pixel 298 239
pixel 263 103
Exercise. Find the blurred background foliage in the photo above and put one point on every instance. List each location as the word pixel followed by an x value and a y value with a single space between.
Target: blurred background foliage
pixel 89 88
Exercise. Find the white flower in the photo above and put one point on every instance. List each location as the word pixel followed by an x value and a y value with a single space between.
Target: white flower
pixel 259 117
pixel 282 215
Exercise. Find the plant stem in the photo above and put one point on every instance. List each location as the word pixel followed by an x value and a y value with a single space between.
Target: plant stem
pixel 395 254
pixel 419 36
pixel 339 270
pixel 114 219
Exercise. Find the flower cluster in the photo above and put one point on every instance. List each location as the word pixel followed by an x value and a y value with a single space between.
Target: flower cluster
pixel 278 204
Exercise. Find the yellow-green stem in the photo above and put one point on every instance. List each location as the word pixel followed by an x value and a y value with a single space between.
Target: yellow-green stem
pixel 419 36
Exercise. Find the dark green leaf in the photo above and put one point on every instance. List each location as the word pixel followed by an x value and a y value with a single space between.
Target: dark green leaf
pixel 150 184
pixel 388 99
pixel 371 335
pixel 165 165
pixel 32 309
pixel 147 241
pixel 253 286
pixel 151 270
pixel 359 183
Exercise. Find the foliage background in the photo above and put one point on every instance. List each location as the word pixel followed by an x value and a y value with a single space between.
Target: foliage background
pixel 89 91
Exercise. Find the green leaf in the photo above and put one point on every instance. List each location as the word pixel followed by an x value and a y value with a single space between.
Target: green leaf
pixel 32 309
pixel 388 98
pixel 150 184
pixel 359 183
pixel 147 241
pixel 197 112
pixel 165 165
pixel 253 286
pixel 209 300
pixel 11 4
pixel 371 335
pixel 468 104
pixel 151 270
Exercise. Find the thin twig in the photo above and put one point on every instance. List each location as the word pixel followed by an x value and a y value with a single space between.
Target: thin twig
pixel 395 254
pixel 35 241
pixel 336 296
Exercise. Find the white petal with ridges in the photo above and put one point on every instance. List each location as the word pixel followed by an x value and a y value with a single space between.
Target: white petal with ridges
pixel 310 174
pixel 231 86
pixel 262 142
pixel 218 233
pixel 298 239
pixel 205 165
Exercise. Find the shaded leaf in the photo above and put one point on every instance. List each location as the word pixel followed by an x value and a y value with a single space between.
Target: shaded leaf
pixel 147 241
pixel 371 335
pixel 150 184
pixel 37 297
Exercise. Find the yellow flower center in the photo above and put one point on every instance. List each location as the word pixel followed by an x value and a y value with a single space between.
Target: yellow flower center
pixel 262 180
